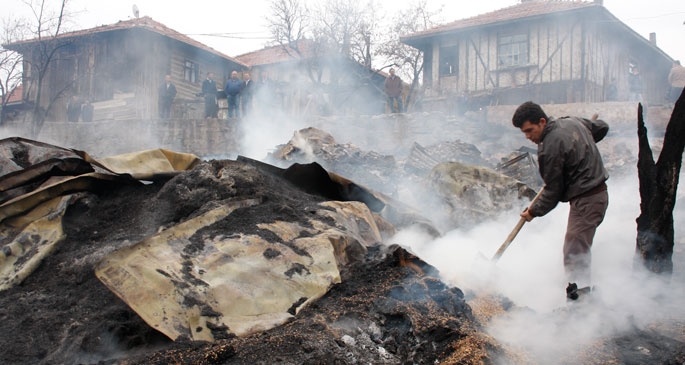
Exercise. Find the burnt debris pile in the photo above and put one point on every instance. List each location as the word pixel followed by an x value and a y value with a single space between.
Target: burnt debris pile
pixel 179 236
pixel 288 260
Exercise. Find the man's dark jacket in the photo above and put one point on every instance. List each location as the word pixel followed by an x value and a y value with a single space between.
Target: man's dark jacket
pixel 393 86
pixel 570 163
pixel 167 94
pixel 248 89
pixel 209 88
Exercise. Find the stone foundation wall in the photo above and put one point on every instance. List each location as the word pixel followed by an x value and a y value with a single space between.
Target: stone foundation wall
pixel 205 137
pixel 619 115
pixel 388 134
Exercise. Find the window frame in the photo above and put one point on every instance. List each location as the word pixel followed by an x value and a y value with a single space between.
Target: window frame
pixel 191 71
pixel 513 49
pixel 448 56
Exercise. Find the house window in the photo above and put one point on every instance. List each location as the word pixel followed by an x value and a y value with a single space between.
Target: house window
pixel 190 71
pixel 449 61
pixel 512 50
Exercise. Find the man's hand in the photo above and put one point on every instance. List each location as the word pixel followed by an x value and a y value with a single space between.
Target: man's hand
pixel 526 215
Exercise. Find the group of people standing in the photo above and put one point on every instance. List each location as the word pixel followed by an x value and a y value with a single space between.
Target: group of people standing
pixel 78 109
pixel 239 92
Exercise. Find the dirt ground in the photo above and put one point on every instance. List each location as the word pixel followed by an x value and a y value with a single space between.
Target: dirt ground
pixel 390 308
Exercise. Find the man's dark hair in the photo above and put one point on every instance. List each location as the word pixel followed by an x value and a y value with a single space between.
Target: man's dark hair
pixel 528 111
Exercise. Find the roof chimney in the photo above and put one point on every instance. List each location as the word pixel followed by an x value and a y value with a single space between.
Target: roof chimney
pixel 652 38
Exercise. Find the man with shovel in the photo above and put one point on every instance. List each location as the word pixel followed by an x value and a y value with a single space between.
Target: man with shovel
pixel 572 169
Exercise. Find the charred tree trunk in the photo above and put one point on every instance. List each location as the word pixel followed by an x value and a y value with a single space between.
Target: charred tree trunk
pixel 658 186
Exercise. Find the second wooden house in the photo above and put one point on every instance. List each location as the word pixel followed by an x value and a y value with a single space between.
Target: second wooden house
pixel 550 51
pixel 310 80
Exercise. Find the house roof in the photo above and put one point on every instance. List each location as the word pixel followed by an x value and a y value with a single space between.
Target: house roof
pixel 279 53
pixel 16 95
pixel 525 9
pixel 146 23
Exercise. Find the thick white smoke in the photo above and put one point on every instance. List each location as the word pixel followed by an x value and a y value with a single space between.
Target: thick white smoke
pixel 260 134
pixel 531 275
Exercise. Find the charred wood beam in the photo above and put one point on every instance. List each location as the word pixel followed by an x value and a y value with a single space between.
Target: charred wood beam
pixel 658 187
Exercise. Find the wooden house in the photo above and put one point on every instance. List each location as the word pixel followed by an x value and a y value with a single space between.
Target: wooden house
pixel 121 66
pixel 549 51
pixel 310 80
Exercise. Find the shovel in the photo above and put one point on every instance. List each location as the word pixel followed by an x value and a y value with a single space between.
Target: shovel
pixel 515 231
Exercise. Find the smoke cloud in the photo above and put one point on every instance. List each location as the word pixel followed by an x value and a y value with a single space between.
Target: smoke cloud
pixel 530 274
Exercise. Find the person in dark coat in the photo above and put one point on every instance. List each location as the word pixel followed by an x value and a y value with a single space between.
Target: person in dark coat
pixel 393 91
pixel 247 94
pixel 612 90
pixel 635 85
pixel 676 79
pixel 209 92
pixel 167 93
pixel 571 166
pixel 73 109
pixel 87 111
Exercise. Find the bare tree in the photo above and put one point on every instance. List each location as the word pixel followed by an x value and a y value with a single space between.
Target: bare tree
pixel 288 22
pixel 362 44
pixel 328 36
pixel 346 33
pixel 347 27
pixel 407 59
pixel 10 62
pixel 45 25
pixel 336 27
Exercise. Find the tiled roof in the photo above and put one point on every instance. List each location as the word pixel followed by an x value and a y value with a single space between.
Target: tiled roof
pixel 278 54
pixel 16 95
pixel 527 9
pixel 143 23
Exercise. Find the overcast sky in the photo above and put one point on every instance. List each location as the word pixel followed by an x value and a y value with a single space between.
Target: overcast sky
pixel 244 25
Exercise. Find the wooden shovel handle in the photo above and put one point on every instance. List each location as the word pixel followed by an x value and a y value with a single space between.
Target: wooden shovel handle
pixel 515 231
pixel 509 239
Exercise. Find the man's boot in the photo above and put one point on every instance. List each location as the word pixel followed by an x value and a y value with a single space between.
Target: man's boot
pixel 573 292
